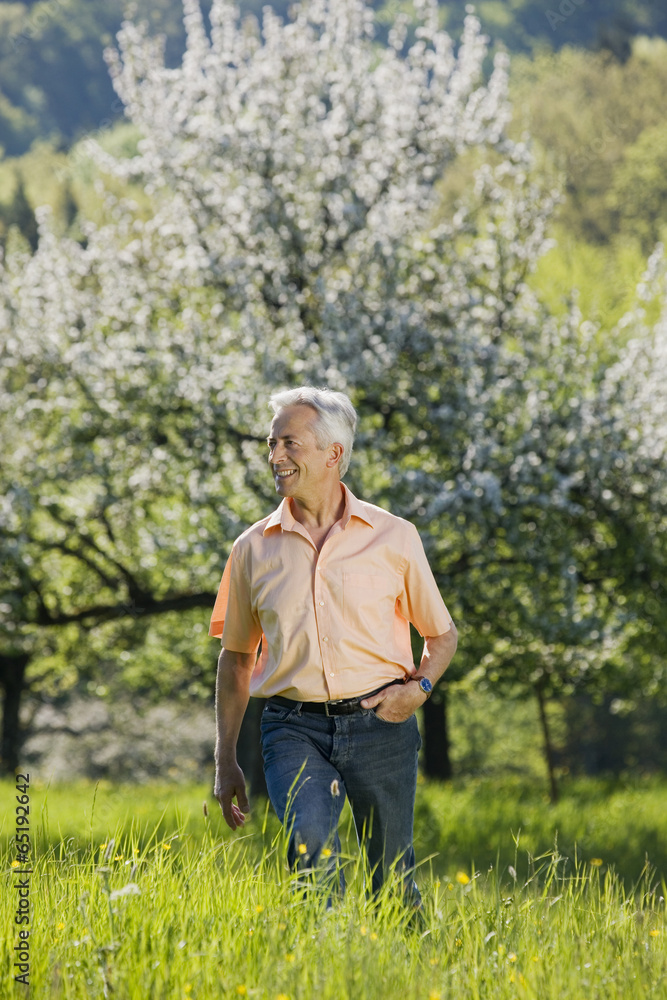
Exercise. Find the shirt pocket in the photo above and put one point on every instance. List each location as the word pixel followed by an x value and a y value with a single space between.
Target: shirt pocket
pixel 369 601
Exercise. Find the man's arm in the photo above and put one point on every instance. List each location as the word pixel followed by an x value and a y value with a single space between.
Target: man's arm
pixel 232 691
pixel 399 702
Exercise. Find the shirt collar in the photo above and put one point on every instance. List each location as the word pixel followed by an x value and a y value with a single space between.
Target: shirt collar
pixel 283 518
pixel 355 508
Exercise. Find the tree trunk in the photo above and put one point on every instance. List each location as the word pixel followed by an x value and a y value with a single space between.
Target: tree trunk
pixel 437 763
pixel 12 682
pixel 548 746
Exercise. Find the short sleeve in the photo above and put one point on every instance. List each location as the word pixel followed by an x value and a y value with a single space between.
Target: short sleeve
pixel 233 619
pixel 420 600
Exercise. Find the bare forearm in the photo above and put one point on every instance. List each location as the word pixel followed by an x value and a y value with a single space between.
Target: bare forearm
pixel 437 655
pixel 232 691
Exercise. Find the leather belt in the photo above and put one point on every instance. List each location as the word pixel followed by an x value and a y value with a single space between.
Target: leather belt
pixel 343 706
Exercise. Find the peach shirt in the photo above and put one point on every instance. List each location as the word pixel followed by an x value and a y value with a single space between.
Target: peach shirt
pixel 333 624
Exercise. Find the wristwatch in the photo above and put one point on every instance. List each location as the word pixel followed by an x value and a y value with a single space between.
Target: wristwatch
pixel 424 684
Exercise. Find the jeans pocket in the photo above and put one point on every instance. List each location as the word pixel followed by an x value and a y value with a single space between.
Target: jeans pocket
pixel 387 722
pixel 275 713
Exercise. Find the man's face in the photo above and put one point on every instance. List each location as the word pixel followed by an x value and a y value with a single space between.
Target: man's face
pixel 299 467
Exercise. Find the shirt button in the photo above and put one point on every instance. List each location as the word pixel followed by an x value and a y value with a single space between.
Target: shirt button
pixel 325 639
pixel 332 674
pixel 321 604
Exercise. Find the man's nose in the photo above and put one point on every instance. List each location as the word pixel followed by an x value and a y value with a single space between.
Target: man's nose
pixel 276 454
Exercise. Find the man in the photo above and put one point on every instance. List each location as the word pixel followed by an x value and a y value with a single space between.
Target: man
pixel 328 584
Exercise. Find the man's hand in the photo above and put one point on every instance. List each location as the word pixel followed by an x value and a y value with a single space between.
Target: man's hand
pixel 230 785
pixel 397 703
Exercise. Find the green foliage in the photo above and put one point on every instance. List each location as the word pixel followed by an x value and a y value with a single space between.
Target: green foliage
pixel 53 79
pixel 171 906
pixel 19 213
pixel 597 129
pixel 54 84
pixel 531 25
pixel 638 195
pixel 495 736
pixel 162 657
pixel 585 111
pixel 601 279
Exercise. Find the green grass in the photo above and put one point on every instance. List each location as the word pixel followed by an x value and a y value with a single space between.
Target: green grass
pixel 211 914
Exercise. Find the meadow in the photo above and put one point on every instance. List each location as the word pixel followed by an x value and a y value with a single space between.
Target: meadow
pixel 141 892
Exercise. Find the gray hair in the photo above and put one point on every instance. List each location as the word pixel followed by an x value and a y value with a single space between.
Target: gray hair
pixel 336 417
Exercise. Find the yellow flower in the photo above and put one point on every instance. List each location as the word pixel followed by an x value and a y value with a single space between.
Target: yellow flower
pixel 596 862
pixel 15 864
pixel 282 996
pixel 511 957
pixel 241 990
pixel 61 926
pixel 374 936
pixel 188 987
pixel 326 852
pixel 450 886
pixel 166 847
pixel 434 961
pixel 536 958
pixel 119 857
pixel 289 957
pixel 434 995
pixel 462 878
pixel 282 927
pixel 102 846
pixel 302 848
pixel 363 931
pixel 259 908
pixel 654 933
pixel 136 850
pixel 458 943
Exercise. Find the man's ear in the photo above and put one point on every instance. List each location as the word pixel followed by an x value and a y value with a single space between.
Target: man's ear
pixel 335 454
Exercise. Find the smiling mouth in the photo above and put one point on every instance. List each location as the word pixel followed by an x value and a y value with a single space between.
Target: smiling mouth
pixel 284 474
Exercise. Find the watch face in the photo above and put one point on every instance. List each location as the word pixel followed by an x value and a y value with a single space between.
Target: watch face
pixel 425 685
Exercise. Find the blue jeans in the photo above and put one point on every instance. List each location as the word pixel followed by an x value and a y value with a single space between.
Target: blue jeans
pixel 313 761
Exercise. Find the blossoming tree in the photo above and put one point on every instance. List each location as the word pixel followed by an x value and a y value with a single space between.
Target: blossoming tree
pixel 289 232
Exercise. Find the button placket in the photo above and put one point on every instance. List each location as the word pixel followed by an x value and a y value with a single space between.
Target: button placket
pixel 323 621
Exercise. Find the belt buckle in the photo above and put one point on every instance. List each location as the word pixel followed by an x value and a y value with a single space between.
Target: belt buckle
pixel 348 706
